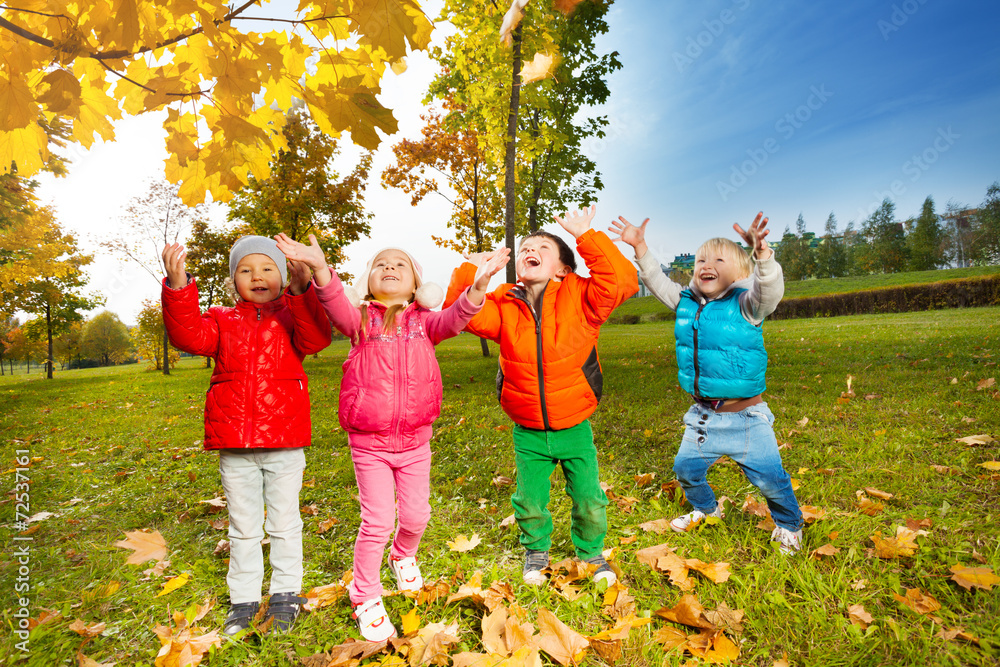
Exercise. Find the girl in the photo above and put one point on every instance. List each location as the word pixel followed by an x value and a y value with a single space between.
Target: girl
pixel 256 411
pixel 389 397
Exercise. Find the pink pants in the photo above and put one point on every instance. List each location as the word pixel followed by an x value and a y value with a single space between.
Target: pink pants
pixel 379 474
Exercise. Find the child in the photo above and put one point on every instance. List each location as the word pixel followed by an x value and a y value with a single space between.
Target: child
pixel 722 362
pixel 550 379
pixel 256 411
pixel 389 398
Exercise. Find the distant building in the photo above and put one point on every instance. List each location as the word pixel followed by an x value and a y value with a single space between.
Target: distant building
pixel 643 290
pixel 684 262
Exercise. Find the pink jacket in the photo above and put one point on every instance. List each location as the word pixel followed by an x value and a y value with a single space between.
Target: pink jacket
pixel 391 392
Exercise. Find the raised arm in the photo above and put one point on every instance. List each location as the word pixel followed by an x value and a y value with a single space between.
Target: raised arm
pixel 344 315
pixel 187 328
pixel 659 285
pixel 486 323
pixel 768 284
pixel 311 331
pixel 456 315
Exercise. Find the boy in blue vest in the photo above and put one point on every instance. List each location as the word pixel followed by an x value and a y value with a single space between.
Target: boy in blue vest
pixel 722 362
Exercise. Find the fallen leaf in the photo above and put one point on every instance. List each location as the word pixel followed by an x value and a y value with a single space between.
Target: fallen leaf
pixel 463 544
pixel 985 384
pixel 221 547
pixel 724 617
pixel 432 591
pixel 687 612
pixel 628 540
pixel 410 621
pixel 84 630
pixel 945 470
pixel 40 516
pixel 976 440
pixel 145 546
pixel 871 491
pixel 501 480
pixel 803 421
pixel 644 479
pixel 650 555
pixel 894 547
pixel 430 646
pixel 959 632
pixel 716 572
pixel 670 637
pixel 214 504
pixel 811 513
pixel 508 521
pixel 868 506
pixel 918 601
pixel 990 465
pixel 974 577
pixel 326 525
pixel 174 583
pixel 755 507
pixel 658 526
pixel 324 596
pixel 859 616
pixel 723 650
pixel 311 510
pixel 563 644
pixel 825 550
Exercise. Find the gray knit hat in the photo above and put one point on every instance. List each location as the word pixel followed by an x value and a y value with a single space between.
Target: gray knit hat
pixel 257 245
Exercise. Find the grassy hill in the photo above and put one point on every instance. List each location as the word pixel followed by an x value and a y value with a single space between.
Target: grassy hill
pixel 647 307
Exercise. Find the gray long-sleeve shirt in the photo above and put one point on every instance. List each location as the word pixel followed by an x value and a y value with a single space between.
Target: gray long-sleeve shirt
pixel 765 287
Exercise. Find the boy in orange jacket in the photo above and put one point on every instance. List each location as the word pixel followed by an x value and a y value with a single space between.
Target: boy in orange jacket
pixel 550 380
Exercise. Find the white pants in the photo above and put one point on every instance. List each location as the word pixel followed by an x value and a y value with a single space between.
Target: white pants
pixel 253 479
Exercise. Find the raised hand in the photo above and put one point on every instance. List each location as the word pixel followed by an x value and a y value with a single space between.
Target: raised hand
pixel 477 258
pixel 491 264
pixel 577 222
pixel 630 234
pixel 311 254
pixel 754 236
pixel 173 263
pixel 299 276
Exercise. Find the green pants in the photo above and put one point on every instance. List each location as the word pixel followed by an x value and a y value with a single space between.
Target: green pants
pixel 536 454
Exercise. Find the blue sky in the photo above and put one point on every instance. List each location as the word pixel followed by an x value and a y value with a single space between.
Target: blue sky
pixel 797 107
pixel 834 100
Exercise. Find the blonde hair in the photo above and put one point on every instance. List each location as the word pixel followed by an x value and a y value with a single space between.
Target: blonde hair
pixel 731 250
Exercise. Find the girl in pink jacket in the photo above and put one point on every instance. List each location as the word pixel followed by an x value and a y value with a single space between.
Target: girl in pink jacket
pixel 389 398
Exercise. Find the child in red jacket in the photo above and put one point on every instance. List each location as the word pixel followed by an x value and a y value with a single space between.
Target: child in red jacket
pixel 256 411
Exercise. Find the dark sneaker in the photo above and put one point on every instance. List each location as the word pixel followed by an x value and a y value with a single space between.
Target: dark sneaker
pixel 283 608
pixel 603 572
pixel 240 617
pixel 534 563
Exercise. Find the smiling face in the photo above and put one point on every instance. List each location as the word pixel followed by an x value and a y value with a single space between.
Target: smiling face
pixel 391 279
pixel 719 265
pixel 257 279
pixel 538 261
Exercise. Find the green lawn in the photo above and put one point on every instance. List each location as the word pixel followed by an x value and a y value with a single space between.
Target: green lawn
pixel 119 449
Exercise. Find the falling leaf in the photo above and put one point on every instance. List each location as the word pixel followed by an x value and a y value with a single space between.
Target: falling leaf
pixel 825 550
pixel 918 601
pixel 174 583
pixel 976 440
pixel 559 641
pixel 985 384
pixel 990 465
pixel 859 616
pixel 84 630
pixel 978 577
pixel 463 544
pixel 511 19
pixel 658 526
pixel 145 546
pixel 871 491
pixel 541 67
pixel 410 621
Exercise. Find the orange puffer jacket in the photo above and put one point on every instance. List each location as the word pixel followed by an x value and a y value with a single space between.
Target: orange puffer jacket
pixel 550 375
pixel 259 394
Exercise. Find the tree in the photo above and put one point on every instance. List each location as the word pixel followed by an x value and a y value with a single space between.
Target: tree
pixel 147 336
pixel 24 344
pixel 106 339
pixel 926 241
pixel 151 221
pixel 7 325
pixel 831 255
pixel 988 219
pixel 795 254
pixel 886 250
pixel 224 88
pixel 67 345
pixel 537 152
pixel 302 195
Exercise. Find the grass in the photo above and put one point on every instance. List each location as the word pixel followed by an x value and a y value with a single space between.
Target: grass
pixel 648 308
pixel 127 443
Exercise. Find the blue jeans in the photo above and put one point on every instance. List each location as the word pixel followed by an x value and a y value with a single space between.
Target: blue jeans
pixel 747 438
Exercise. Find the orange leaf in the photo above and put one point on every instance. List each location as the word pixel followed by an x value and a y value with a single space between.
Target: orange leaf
pixel 810 513
pixel 716 572
pixel 644 479
pixel 566 6
pixel 146 546
pixel 723 650
pixel 84 630
pixel 985 384
pixel 687 612
pixel 650 555
pixel 918 601
pixel 494 626
pixel 670 637
pixel 825 550
pixel 859 616
pixel 871 491
pixel 978 577
pixel 559 641
pixel 893 547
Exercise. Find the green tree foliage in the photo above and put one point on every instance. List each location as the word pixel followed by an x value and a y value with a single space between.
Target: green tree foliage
pixel 926 241
pixel 987 246
pixel 795 254
pixel 304 195
pixel 831 254
pixel 67 345
pixel 147 336
pixel 208 260
pixel 885 248
pixel 7 324
pixel 106 339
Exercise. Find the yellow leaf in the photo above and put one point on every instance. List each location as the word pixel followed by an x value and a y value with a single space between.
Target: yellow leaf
pixel 871 491
pixel 974 577
pixel 410 621
pixel 976 439
pixel 173 584
pixel 918 601
pixel 27 147
pixel 463 544
pixel 559 641
pixel 716 572
pixel 991 465
pixel 723 650
pixel 391 24
pixel 825 550
pixel 541 67
pixel 17 104
pixel 145 546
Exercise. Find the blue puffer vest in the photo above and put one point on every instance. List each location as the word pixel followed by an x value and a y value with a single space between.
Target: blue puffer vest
pixel 719 354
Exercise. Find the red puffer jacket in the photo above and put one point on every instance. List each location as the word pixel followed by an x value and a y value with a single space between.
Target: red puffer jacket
pixel 259 394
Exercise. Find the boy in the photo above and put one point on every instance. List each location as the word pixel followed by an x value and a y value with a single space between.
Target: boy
pixel 550 380
pixel 256 411
pixel 722 362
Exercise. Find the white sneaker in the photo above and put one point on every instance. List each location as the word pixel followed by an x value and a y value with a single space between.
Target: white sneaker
pixel 788 542
pixel 684 523
pixel 407 573
pixel 373 622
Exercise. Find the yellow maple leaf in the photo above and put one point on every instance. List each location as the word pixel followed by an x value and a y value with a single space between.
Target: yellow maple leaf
pixel 463 543
pixel 974 577
pixel 145 546
pixel 990 465
pixel 410 621
pixel 17 104
pixel 541 67
pixel 173 584
pixel 918 601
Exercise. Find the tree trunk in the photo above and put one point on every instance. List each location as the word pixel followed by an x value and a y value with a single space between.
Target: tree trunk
pixel 509 161
pixel 166 352
pixel 48 326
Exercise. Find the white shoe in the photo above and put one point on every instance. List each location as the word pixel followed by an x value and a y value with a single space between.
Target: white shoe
pixel 788 542
pixel 407 573
pixel 373 622
pixel 684 523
